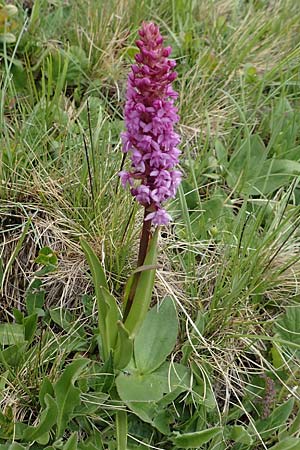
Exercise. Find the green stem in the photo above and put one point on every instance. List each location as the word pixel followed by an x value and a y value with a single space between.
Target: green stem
pixel 145 237
pixel 122 429
pixel 144 244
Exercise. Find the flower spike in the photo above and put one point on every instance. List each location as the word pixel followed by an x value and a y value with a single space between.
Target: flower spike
pixel 150 116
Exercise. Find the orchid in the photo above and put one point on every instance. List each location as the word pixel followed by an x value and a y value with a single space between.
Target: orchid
pixel 150 116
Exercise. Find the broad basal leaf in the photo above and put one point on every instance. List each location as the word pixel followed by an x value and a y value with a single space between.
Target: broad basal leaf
pixel 151 387
pixel 274 174
pixel 156 337
pixel 195 440
pixel 141 388
pixel 245 163
pixel 288 325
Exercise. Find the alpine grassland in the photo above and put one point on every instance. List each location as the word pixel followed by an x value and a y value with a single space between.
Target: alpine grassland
pixel 150 217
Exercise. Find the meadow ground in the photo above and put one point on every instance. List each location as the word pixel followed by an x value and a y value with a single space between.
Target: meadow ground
pixel 229 261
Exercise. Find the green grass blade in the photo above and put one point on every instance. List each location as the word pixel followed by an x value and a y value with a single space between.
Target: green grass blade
pixel 15 253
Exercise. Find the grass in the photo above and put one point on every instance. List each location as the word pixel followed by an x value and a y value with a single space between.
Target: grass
pixel 230 260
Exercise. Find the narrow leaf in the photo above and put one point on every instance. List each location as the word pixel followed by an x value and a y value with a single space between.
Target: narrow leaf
pixel 1 271
pixel 111 319
pixel 48 419
pixel 11 334
pixel 45 389
pixel 94 263
pixel 67 396
pixel 127 290
pixel 144 289
pixel 30 324
pixel 124 348
pixel 15 253
pixel 108 374
pixel 99 280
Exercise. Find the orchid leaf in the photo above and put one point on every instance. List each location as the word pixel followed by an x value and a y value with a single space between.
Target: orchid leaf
pixel 127 290
pixel 124 348
pixel 143 293
pixel 99 280
pixel 111 318
pixel 134 386
pixel 156 337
